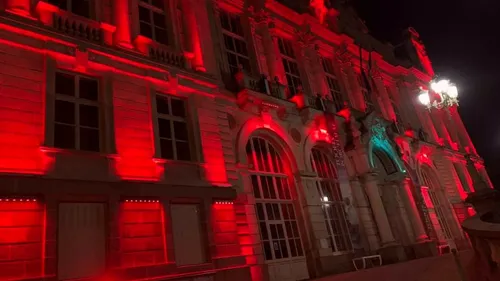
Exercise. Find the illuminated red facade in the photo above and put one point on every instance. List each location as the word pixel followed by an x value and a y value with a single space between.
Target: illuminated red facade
pixel 218 140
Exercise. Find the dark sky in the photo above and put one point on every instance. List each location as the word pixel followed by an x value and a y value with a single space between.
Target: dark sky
pixel 462 39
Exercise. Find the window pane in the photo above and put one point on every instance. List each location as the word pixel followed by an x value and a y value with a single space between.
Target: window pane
pixel 178 108
pixel 158 4
pixel 64 136
pixel 89 116
pixel 64 112
pixel 81 7
pixel 164 128
pixel 144 15
pixel 146 30
pixel 65 84
pixel 89 89
pixel 89 139
pixel 162 105
pixel 159 20
pixel 267 250
pixel 255 186
pixel 182 149
pixel 167 151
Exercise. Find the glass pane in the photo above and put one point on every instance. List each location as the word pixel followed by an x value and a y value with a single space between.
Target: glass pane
pixel 64 136
pixel 158 4
pixel 269 212
pixel 178 108
pixel 89 89
pixel 284 249
pixel 65 84
pixel 144 15
pixel 161 36
pixel 255 186
pixel 276 211
pixel 162 105
pixel 182 149
pixel 65 112
pixel 89 139
pixel 272 188
pixel 224 20
pixel 267 250
pixel 164 128
pixel 180 131
pixel 89 116
pixel 146 30
pixel 293 249
pixel 263 231
pixel 166 148
pixel 260 212
pixel 81 7
pixel 159 20
pixel 274 231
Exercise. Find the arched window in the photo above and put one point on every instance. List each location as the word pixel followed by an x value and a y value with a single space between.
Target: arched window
pixel 387 163
pixel 435 208
pixel 276 214
pixel 332 202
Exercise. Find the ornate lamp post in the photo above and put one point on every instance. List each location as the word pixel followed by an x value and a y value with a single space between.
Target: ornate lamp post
pixel 442 94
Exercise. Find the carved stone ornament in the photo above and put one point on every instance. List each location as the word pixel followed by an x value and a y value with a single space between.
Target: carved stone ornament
pixel 260 16
pixel 378 130
pixel 342 54
pixel 375 71
pixel 305 36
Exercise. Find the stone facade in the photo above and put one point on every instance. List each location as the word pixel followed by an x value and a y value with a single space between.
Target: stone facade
pixel 218 140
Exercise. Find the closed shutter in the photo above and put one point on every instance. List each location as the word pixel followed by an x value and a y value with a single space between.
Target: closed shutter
pixel 186 228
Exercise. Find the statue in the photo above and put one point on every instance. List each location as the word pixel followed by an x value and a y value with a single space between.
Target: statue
pixel 319 9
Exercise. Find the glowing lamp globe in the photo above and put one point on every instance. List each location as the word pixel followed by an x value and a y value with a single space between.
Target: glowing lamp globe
pixel 424 99
pixel 441 86
pixel 453 92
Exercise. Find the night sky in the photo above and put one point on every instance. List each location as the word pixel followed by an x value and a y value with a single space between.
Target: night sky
pixel 462 39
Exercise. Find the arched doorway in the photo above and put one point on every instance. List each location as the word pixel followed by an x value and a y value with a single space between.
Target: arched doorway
pixel 390 181
pixel 435 203
pixel 332 202
pixel 276 211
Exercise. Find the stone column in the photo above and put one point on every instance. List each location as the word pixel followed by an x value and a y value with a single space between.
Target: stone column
pixel 412 211
pixel 378 209
pixel 122 22
pixel 194 14
pixel 19 7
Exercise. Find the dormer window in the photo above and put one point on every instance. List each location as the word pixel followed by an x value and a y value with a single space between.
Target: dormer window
pixel 82 8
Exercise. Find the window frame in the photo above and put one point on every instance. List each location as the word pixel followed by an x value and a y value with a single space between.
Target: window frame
pixel 283 201
pixel 76 100
pixel 288 58
pixel 172 118
pixel 330 177
pixel 331 79
pixel 152 9
pixel 234 37
pixel 395 108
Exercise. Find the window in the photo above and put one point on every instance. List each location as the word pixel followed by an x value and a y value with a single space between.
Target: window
pixel 395 108
pixel 462 177
pixel 173 128
pixel 363 83
pixel 234 42
pixel 435 208
pixel 78 7
pixel 333 83
pixel 332 202
pixel 275 209
pixel 152 20
pixel 290 65
pixel 77 118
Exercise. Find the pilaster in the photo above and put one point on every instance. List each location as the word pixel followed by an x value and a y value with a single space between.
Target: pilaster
pixel 19 7
pixel 122 23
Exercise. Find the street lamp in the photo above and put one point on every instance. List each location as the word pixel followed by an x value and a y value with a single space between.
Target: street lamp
pixel 441 94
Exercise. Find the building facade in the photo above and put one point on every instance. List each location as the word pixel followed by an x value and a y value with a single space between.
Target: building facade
pixel 218 140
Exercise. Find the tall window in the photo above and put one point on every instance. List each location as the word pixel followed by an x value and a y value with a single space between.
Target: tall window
pixel 332 202
pixel 290 65
pixel 234 42
pixel 77 121
pixel 435 209
pixel 276 214
pixel 333 83
pixel 172 128
pixel 367 99
pixel 82 8
pixel 152 20
pixel 395 108
pixel 461 175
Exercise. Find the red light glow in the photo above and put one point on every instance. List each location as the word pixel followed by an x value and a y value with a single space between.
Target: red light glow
pixel 142 233
pixel 225 230
pixel 22 239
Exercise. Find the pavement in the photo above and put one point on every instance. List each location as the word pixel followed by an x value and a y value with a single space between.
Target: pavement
pixel 441 268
